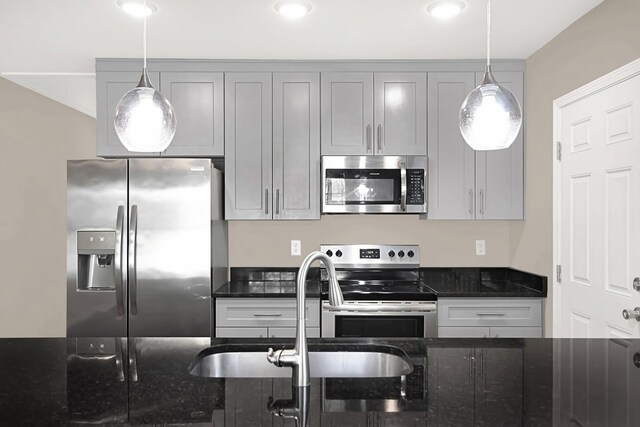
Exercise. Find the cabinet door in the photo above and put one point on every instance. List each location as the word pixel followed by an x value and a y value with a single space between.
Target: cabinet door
pixel 347 113
pixel 451 160
pixel 296 146
pixel 111 86
pixel 248 146
pixel 451 386
pixel 500 173
pixel 499 392
pixel 400 113
pixel 198 101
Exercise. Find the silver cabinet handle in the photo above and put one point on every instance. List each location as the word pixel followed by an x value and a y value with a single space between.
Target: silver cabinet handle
pixel 278 201
pixel 487 313
pixel 133 259
pixel 368 138
pixel 481 202
pixel 267 314
pixel 379 138
pixel 636 284
pixel 266 201
pixel 628 314
pixel 470 202
pixel 118 258
pixel 403 186
pixel 120 358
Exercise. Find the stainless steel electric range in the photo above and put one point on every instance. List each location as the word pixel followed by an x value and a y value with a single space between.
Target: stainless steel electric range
pixel 387 276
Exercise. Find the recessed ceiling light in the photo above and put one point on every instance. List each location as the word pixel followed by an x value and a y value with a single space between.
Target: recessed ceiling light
pixel 293 9
pixel 445 9
pixel 137 8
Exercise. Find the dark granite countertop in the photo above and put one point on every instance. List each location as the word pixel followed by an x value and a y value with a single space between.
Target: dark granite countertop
pixel 448 282
pixel 484 282
pixel 459 382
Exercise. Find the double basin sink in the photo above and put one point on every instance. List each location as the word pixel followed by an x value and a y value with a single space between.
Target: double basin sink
pixel 325 360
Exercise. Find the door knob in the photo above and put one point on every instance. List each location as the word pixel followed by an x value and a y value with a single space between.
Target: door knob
pixel 628 314
pixel 636 284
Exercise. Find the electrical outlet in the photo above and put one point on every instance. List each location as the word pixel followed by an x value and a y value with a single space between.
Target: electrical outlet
pixel 296 248
pixel 481 248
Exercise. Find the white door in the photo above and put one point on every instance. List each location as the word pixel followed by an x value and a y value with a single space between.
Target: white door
pixel 598 212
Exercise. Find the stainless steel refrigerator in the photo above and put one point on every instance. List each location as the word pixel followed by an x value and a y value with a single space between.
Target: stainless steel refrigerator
pixel 146 243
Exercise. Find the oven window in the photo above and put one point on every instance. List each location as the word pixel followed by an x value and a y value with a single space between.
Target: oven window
pixel 379 326
pixel 363 186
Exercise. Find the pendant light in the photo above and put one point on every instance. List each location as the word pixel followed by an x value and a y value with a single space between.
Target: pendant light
pixel 145 120
pixel 490 116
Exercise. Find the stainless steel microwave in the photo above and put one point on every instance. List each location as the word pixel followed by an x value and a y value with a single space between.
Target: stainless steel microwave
pixel 374 184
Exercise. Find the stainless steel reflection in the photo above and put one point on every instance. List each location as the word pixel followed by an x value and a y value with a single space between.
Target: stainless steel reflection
pixel 323 364
pixel 400 163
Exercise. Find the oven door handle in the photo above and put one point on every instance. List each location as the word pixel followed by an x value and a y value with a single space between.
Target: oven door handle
pixel 369 308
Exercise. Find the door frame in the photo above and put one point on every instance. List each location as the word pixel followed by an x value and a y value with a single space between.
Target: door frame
pixel 600 84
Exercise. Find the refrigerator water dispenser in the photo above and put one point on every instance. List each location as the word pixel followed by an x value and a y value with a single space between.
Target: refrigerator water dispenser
pixel 96 270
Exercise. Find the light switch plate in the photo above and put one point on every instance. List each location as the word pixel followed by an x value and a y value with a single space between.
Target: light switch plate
pixel 481 248
pixel 296 248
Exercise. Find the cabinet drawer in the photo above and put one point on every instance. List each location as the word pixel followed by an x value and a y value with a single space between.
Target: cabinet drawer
pixel 241 332
pixel 264 312
pixel 291 332
pixel 489 312
pixel 463 332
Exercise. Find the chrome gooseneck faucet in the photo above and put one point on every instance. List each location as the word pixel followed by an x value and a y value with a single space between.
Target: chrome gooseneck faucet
pixel 298 357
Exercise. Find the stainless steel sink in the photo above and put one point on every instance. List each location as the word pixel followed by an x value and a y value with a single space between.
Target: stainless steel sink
pixel 326 361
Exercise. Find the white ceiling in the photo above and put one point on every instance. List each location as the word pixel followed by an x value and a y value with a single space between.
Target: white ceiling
pixel 65 36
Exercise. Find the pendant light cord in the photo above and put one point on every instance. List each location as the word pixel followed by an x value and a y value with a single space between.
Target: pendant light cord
pixel 488 33
pixel 144 37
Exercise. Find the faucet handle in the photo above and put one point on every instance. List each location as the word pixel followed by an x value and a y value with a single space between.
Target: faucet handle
pixel 272 357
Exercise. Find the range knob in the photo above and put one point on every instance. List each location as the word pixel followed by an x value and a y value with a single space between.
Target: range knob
pixel 401 254
pixel 410 254
pixel 329 253
pixel 338 253
pixel 391 254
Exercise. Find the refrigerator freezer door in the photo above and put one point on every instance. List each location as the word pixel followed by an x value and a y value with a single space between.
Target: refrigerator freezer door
pixel 170 247
pixel 96 249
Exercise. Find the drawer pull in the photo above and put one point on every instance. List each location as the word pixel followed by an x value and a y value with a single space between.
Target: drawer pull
pixel 267 314
pixel 486 313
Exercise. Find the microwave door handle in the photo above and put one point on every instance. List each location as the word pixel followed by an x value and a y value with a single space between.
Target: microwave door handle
pixel 403 186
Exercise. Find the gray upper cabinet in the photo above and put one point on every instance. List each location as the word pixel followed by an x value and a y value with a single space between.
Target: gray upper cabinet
pixel 279 178
pixel 400 113
pixel 248 144
pixel 347 113
pixel 463 183
pixel 198 101
pixel 296 145
pixel 451 160
pixel 500 173
pixel 110 87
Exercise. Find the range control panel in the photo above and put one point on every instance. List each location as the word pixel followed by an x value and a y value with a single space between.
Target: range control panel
pixel 373 256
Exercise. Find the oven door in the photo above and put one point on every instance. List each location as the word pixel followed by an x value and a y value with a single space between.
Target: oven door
pixel 415 320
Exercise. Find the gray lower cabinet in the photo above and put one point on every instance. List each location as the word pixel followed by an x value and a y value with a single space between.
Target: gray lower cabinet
pixel 463 183
pixel 374 113
pixel 272 146
pixel 475 386
pixel 490 318
pixel 264 317
pixel 110 87
pixel 197 99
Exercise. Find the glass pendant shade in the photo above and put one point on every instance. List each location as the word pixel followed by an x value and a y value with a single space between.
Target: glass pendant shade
pixel 145 120
pixel 490 116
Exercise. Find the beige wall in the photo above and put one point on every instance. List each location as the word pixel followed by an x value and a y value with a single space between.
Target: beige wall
pixel 601 41
pixel 37 136
pixel 442 243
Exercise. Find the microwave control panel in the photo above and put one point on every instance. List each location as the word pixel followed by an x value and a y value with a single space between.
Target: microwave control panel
pixel 415 186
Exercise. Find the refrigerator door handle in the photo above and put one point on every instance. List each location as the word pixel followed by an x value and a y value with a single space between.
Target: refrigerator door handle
pixel 133 359
pixel 120 359
pixel 133 279
pixel 118 258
